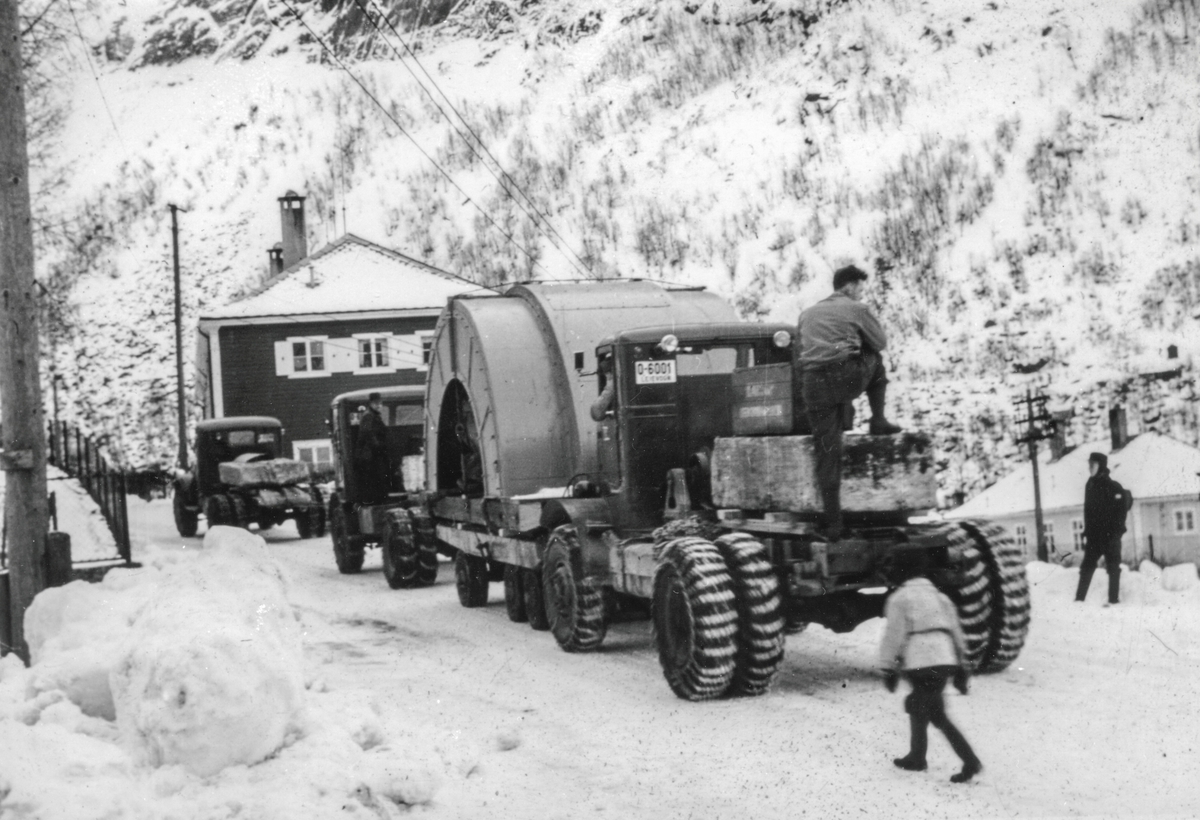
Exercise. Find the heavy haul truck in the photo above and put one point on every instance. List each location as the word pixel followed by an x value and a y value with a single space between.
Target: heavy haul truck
pixel 606 443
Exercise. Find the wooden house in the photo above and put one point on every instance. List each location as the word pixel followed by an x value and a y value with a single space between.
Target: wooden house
pixel 352 315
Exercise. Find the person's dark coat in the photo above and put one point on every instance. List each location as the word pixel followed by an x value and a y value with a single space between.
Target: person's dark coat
pixel 1104 506
pixel 372 436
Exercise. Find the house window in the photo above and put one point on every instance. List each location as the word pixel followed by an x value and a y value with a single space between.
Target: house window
pixel 317 452
pixel 1185 521
pixel 1048 531
pixel 1078 541
pixel 1022 537
pixel 308 355
pixel 372 352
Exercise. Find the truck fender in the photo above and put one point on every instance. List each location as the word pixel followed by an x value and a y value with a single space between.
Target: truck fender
pixel 592 522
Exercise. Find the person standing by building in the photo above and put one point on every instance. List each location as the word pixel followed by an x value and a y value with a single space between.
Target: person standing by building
pixel 1104 505
pixel 840 358
pixel 924 640
pixel 370 452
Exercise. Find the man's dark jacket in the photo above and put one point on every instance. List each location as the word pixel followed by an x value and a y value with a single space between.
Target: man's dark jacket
pixel 1103 509
pixel 372 436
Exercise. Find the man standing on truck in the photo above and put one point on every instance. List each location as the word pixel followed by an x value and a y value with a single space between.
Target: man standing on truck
pixel 370 452
pixel 840 358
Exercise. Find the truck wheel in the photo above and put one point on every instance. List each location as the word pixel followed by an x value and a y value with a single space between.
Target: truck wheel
pixel 760 635
pixel 218 511
pixel 399 551
pixel 425 537
pixel 471 579
pixel 310 522
pixel 240 515
pixel 1005 572
pixel 186 521
pixel 514 593
pixel 694 619
pixel 347 551
pixel 972 595
pixel 535 600
pixel 574 606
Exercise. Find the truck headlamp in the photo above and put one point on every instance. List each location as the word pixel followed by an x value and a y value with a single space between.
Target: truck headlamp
pixel 782 338
pixel 669 343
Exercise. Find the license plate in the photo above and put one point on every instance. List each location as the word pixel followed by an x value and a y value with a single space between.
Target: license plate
pixel 662 372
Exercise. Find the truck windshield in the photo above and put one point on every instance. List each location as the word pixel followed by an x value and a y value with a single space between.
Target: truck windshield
pixel 654 371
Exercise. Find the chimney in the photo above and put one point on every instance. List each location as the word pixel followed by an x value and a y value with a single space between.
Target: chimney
pixel 295 238
pixel 275 254
pixel 1118 427
pixel 1058 441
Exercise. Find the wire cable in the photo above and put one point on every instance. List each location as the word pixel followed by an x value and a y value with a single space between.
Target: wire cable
pixel 508 183
pixel 508 236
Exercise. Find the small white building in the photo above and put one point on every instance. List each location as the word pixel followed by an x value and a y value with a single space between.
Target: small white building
pixel 1163 475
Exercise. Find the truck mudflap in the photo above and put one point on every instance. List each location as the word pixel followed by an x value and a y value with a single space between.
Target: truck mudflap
pixel 279 498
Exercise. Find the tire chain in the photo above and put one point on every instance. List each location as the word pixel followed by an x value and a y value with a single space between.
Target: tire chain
pixel 1010 590
pixel 972 596
pixel 760 621
pixel 708 590
pixel 425 537
pixel 399 551
pixel 591 624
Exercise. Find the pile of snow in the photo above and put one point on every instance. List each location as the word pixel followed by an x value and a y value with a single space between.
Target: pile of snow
pixel 1179 578
pixel 179 689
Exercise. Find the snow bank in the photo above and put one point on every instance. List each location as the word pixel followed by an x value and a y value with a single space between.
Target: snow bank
pixel 211 675
pixel 1179 577
pixel 178 690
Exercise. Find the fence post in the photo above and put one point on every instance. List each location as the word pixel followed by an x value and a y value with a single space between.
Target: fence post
pixel 124 545
pixel 78 453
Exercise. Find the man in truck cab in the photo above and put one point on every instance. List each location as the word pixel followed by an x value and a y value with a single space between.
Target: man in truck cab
pixel 839 359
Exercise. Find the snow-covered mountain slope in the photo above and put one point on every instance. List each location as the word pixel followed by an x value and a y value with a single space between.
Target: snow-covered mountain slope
pixel 1019 177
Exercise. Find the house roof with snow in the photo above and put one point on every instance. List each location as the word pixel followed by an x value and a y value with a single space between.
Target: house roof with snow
pixel 349 275
pixel 1151 465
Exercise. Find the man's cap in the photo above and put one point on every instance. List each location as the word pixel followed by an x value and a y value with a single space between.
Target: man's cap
pixel 374 397
pixel 846 275
pixel 1098 458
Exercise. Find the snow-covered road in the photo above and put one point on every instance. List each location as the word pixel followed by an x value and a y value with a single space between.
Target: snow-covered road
pixel 1097 717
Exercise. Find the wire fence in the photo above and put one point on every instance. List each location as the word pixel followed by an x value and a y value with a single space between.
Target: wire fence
pixel 79 456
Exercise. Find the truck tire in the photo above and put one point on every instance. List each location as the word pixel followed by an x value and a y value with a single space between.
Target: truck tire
pixel 186 521
pixel 1005 571
pixel 425 537
pixel 760 635
pixel 310 522
pixel 574 606
pixel 347 550
pixel 240 512
pixel 514 593
pixel 535 600
pixel 471 579
pixel 972 595
pixel 694 619
pixel 399 551
pixel 217 511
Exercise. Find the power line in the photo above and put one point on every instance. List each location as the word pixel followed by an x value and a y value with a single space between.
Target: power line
pixel 410 138
pixel 508 182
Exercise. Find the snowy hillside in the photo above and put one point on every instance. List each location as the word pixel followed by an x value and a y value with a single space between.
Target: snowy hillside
pixel 1020 177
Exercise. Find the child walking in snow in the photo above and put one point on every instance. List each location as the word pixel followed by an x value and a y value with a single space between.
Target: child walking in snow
pixel 924 640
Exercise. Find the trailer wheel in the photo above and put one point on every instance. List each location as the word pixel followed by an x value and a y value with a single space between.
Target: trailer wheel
pixel 1005 572
pixel 186 521
pixel 514 593
pixel 574 605
pixel 347 550
pixel 471 578
pixel 694 619
pixel 760 635
pixel 535 600
pixel 240 513
pixel 399 551
pixel 972 595
pixel 217 511
pixel 425 537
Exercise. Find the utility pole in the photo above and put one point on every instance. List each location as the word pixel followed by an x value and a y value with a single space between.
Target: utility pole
pixel 179 402
pixel 24 437
pixel 1040 425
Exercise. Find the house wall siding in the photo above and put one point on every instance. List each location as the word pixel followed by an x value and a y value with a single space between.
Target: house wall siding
pixel 251 386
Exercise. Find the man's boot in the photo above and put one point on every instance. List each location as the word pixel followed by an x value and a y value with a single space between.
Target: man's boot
pixel 832 521
pixel 876 398
pixel 1114 586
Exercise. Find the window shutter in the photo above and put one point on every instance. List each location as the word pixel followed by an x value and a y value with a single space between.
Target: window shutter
pixel 283 358
pixel 404 352
pixel 341 355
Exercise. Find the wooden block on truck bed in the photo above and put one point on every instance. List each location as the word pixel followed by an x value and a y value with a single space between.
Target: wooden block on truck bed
pixel 275 472
pixel 879 473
